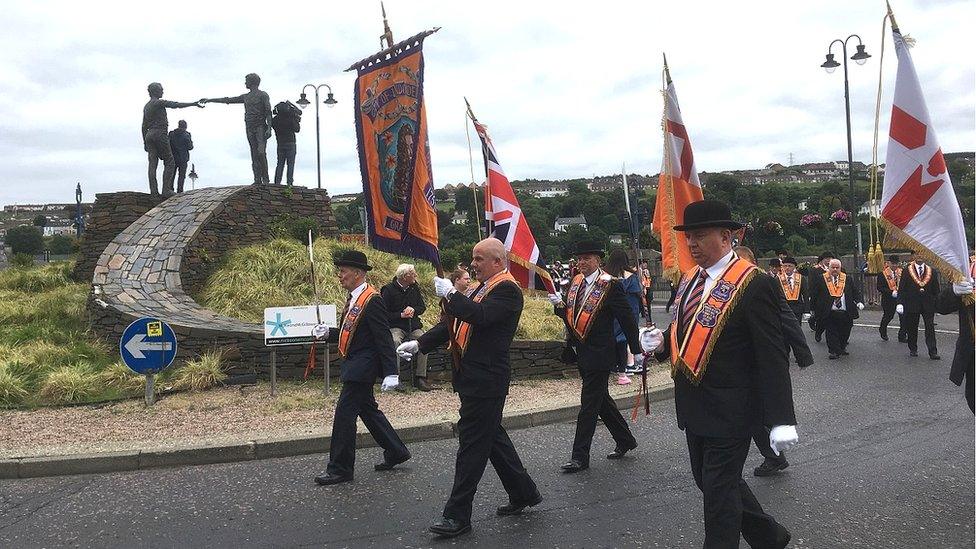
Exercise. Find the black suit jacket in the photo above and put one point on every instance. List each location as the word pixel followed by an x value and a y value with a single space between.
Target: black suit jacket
pixel 802 304
pixel 823 302
pixel 747 380
pixel 792 329
pixel 485 370
pixel 371 352
pixel 912 298
pixel 963 360
pixel 887 300
pixel 598 350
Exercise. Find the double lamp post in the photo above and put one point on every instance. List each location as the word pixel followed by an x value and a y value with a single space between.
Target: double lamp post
pixel 304 102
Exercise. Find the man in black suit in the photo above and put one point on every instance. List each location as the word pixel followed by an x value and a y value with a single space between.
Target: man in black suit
pixel 963 363
pixel 367 350
pixel 838 302
pixel 888 280
pixel 479 330
pixel 917 295
pixel 726 305
pixel 593 302
pixel 815 276
pixel 796 288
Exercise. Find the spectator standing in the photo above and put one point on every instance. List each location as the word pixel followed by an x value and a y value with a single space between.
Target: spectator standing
pixel 181 143
pixel 630 284
pixel 286 123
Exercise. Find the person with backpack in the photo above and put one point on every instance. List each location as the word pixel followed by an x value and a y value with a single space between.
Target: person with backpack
pixel 286 123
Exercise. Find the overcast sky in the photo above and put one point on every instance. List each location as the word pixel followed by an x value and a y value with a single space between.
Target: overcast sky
pixel 567 89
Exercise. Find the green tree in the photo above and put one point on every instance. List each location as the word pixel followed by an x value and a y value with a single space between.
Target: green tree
pixel 441 195
pixel 40 221
pixel 26 239
pixel 61 245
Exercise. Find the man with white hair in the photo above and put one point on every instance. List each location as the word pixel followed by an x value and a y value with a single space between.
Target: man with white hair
pixel 479 329
pixel 838 304
pixel 405 304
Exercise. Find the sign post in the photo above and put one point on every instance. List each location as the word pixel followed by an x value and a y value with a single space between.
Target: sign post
pixel 148 346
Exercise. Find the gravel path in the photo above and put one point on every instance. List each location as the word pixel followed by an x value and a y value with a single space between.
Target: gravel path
pixel 232 414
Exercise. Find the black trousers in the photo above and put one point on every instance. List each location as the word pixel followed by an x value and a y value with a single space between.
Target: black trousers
pixel 888 313
pixel 481 438
pixel 911 326
pixel 761 437
pixel 356 401
pixel 838 327
pixel 286 157
pixel 180 176
pixel 730 508
pixel 595 401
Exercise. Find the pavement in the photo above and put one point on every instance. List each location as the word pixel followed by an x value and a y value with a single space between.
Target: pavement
pixel 885 459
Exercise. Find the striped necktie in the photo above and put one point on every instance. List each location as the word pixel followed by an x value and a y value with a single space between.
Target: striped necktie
pixel 691 304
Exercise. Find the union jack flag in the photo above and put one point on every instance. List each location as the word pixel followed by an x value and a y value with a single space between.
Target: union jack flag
pixel 506 222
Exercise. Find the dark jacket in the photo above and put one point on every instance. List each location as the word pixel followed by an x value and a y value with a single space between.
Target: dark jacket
pixel 371 352
pixel 397 298
pixel 181 143
pixel 914 298
pixel 823 302
pixel 485 370
pixel 887 300
pixel 963 360
pixel 792 329
pixel 285 125
pixel 802 303
pixel 632 289
pixel 747 380
pixel 598 350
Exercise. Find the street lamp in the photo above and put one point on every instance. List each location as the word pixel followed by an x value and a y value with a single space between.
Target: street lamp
pixel 193 176
pixel 829 65
pixel 79 218
pixel 304 102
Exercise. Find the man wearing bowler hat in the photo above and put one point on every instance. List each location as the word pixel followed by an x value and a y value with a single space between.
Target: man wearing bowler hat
pixel 367 350
pixel 887 281
pixel 731 375
pixel 593 302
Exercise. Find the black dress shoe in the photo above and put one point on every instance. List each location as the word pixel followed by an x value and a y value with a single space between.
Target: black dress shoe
pixel 329 479
pixel 844 353
pixel 770 467
pixel 421 383
pixel 912 353
pixel 449 528
pixel 935 357
pixel 574 466
pixel 832 356
pixel 516 508
pixel 783 537
pixel 387 465
pixel 619 451
pixel 884 336
pixel 817 337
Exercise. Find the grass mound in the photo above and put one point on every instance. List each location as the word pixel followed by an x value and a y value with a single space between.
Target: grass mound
pixel 276 274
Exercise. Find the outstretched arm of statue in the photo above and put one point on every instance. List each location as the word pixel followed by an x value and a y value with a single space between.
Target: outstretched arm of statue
pixel 224 100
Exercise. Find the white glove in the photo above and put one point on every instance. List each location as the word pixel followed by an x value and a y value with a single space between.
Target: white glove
pixel 900 309
pixel 805 317
pixel 390 382
pixel 781 437
pixel 443 286
pixel 963 288
pixel 651 339
pixel 407 349
pixel 860 306
pixel 555 299
pixel 894 294
pixel 320 331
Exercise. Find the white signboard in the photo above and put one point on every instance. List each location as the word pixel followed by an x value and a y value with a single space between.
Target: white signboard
pixel 293 325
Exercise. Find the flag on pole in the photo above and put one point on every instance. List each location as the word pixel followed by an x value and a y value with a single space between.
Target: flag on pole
pixel 918 205
pixel 678 186
pixel 394 154
pixel 506 222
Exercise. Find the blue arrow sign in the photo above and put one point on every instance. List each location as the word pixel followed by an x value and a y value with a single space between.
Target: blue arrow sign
pixel 148 346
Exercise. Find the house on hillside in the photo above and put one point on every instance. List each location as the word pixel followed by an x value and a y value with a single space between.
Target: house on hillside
pixel 59 226
pixel 563 223
pixel 459 218
pixel 345 198
pixel 866 207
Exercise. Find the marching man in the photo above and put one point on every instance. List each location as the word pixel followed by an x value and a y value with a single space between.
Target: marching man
pixel 795 288
pixel 917 296
pixel 366 346
pixel 731 375
pixel 888 281
pixel 593 302
pixel 838 302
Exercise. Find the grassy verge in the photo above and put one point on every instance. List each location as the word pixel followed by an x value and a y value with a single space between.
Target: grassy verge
pixel 47 356
pixel 276 274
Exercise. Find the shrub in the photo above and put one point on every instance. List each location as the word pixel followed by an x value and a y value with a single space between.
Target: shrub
pixel 25 239
pixel 118 376
pixel 70 384
pixel 60 244
pixel 203 372
pixel 13 390
pixel 296 227
pixel 22 261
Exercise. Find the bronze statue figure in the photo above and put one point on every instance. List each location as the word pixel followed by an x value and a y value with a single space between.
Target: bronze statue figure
pixel 257 124
pixel 155 137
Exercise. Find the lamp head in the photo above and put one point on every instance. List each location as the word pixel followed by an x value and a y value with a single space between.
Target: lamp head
pixel 861 57
pixel 330 100
pixel 830 64
pixel 302 101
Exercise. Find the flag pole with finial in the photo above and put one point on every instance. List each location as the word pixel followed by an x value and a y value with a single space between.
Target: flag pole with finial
pixel 387 35
pixel 474 186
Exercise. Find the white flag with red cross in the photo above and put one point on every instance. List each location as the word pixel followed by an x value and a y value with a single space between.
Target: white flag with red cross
pixel 918 206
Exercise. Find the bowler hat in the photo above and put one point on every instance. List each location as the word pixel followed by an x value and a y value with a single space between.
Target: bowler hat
pixel 585 247
pixel 894 259
pixel 789 260
pixel 706 214
pixel 352 258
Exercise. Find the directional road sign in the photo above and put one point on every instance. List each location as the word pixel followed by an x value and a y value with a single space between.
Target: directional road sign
pixel 293 325
pixel 148 346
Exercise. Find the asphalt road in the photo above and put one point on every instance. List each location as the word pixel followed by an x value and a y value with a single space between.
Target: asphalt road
pixel 886 459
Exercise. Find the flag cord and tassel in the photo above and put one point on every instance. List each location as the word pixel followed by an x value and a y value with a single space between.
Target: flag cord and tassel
pixel 875 251
pixel 474 188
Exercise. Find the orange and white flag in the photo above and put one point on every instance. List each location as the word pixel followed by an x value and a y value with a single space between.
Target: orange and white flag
pixel 678 186
pixel 918 206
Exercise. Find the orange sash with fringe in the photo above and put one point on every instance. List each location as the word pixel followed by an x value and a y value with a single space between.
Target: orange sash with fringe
pixel 351 319
pixel 579 319
pixel 912 270
pixel 692 355
pixel 892 277
pixel 836 291
pixel 462 330
pixel 794 294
